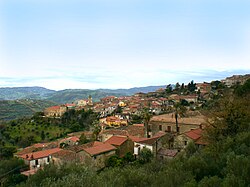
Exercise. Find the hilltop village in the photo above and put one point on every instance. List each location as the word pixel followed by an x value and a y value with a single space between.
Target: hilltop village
pixel 163 123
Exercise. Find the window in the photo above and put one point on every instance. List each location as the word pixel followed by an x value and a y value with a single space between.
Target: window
pixel 169 128
pixel 160 127
pixel 36 162
pixel 185 142
pixel 48 159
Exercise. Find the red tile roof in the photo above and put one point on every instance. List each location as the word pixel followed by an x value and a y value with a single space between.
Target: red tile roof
pixel 136 138
pixel 65 155
pixel 138 125
pixel 168 152
pixel 39 154
pixel 70 105
pixel 73 138
pixel 117 140
pixel 39 145
pixel 53 108
pixel 194 134
pixel 150 141
pixel 101 148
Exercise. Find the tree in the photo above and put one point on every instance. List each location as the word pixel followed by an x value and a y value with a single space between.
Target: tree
pixel 146 156
pixel 177 86
pixel 191 86
pixel 6 151
pixel 146 116
pixel 169 88
pixel 42 135
pixel 83 139
pixel 97 129
pixel 114 161
pixel 179 110
pixel 182 87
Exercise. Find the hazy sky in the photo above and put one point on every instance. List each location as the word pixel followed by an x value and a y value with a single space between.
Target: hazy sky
pixel 62 44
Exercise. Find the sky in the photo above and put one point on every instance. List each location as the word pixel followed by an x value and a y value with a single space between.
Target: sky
pixel 90 44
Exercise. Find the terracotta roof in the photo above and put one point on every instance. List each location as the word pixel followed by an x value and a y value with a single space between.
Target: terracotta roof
pixel 74 139
pixel 39 154
pixel 194 134
pixel 115 132
pixel 150 141
pixel 65 155
pixel 138 125
pixel 53 108
pixel 168 152
pixel 27 150
pixel 33 148
pixel 116 140
pixel 70 104
pixel 136 138
pixel 98 149
pixel 135 130
pixel 169 118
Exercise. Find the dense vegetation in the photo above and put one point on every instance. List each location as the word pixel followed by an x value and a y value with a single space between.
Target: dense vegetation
pixel 13 109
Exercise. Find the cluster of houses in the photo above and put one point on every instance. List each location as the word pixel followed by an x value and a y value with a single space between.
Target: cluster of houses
pixel 164 141
pixel 236 79
pixel 162 136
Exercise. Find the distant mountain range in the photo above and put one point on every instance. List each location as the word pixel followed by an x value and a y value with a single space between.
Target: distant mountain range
pixel 68 95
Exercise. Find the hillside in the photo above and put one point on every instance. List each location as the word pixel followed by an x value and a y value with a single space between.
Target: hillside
pixel 12 109
pixel 24 93
pixel 68 95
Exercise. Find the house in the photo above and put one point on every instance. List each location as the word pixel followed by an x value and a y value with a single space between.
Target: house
pixel 165 153
pixel 36 147
pixel 122 143
pixel 93 154
pixel 64 156
pixel 84 102
pixel 39 158
pixel 167 123
pixel 154 144
pixel 134 131
pixel 194 135
pixel 113 121
pixel 203 87
pixel 73 140
pixel 236 79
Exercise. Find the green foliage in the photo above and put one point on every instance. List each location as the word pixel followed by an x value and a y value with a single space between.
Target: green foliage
pixel 83 139
pixel 10 172
pixel 243 90
pixel 136 119
pixel 169 88
pixel 191 86
pixel 26 131
pixel 114 161
pixel 78 120
pixel 146 156
pixel 20 108
pixel 6 151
